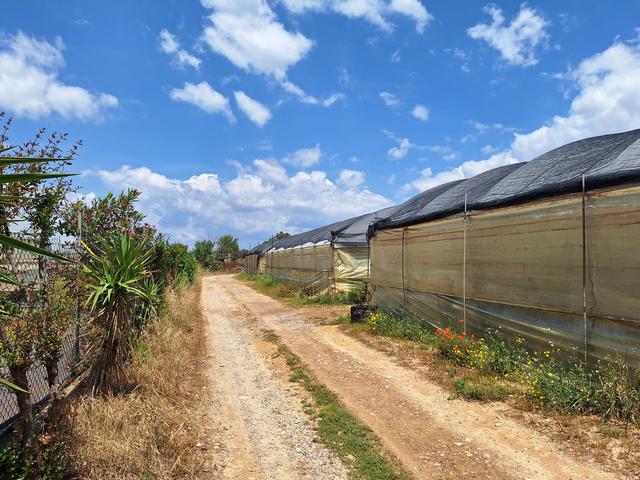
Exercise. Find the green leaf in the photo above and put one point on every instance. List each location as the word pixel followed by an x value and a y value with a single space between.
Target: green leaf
pixel 12 386
pixel 31 177
pixel 20 245
pixel 6 277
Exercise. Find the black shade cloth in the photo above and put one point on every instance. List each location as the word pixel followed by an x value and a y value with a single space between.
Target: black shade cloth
pixel 604 160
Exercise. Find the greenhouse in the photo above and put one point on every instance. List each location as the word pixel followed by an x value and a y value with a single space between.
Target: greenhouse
pixel 254 260
pixel 333 256
pixel 546 251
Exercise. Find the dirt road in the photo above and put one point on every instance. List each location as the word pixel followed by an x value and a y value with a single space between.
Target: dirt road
pixel 433 436
pixel 264 432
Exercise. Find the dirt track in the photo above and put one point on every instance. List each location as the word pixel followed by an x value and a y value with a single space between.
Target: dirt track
pixel 433 436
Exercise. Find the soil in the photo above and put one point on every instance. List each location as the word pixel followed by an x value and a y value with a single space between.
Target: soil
pixel 262 431
pixel 431 434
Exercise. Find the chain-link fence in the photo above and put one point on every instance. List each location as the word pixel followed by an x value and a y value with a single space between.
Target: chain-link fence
pixel 31 271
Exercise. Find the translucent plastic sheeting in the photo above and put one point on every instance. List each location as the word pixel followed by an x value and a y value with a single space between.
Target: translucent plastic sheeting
pixel 351 266
pixel 309 267
pixel 251 264
pixel 524 271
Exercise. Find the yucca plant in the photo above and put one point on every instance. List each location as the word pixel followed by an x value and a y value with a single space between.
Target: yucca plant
pixel 118 284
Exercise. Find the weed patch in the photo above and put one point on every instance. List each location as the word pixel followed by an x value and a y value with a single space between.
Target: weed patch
pixel 551 378
pixel 481 389
pixel 299 295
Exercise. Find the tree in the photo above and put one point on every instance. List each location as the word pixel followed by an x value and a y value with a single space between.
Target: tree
pixel 204 253
pixel 280 235
pixel 227 244
pixel 172 262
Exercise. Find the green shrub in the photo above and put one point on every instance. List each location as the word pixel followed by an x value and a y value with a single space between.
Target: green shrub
pixel 394 325
pixel 266 281
pixel 172 262
pixel 357 295
pixel 246 276
pixel 48 463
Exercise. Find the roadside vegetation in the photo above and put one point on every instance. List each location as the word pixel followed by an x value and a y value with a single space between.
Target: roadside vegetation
pixel 153 431
pixel 295 294
pixel 493 368
pixel 113 283
pixel 354 443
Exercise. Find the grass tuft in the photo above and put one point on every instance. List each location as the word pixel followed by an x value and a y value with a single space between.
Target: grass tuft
pixel 299 295
pixel 354 443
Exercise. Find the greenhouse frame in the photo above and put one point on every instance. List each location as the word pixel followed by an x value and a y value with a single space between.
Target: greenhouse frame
pixel 546 251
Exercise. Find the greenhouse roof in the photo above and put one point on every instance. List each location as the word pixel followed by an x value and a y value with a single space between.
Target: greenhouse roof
pixel 604 160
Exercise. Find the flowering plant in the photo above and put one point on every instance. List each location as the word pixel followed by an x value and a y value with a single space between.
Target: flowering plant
pixel 455 345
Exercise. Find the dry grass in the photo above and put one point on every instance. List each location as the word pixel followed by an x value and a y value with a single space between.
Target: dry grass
pixel 155 432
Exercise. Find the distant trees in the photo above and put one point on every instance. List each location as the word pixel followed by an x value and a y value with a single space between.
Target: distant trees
pixel 227 244
pixel 208 252
pixel 204 253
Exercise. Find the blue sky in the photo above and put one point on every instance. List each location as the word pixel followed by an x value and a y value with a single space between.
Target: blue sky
pixel 251 116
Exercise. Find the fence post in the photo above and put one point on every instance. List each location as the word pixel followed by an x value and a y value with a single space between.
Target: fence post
pixel 77 329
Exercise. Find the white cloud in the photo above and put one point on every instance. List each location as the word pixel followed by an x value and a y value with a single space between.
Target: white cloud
pixel 29 84
pixel 259 201
pixel 405 145
pixel 374 11
pixel 389 99
pixel 399 152
pixel 336 97
pixel 254 110
pixel 248 34
pixel 203 96
pixel 428 179
pixel 420 112
pixel 607 101
pixel 351 178
pixel 309 99
pixel 413 9
pixel 488 149
pixel 304 157
pixel 170 45
pixel 517 41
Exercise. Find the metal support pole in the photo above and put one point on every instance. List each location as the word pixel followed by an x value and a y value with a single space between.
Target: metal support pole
pixel 404 291
pixel 584 265
pixel 464 267
pixel 313 279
